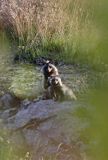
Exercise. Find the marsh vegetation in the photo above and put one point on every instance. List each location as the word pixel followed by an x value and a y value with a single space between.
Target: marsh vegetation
pixel 74 34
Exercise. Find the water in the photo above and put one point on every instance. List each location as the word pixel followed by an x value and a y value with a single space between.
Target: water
pixel 20 79
pixel 88 119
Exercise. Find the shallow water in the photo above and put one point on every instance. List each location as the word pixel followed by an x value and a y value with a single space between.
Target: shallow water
pixel 86 123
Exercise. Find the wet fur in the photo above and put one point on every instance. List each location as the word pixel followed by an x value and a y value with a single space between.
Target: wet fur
pixel 58 91
pixel 48 71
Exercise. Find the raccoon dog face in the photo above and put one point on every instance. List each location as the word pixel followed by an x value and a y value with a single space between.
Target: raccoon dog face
pixel 55 81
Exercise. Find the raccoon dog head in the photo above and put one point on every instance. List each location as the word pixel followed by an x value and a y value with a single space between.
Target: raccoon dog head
pixel 55 81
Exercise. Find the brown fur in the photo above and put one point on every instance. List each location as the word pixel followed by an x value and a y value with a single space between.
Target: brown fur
pixel 48 71
pixel 58 91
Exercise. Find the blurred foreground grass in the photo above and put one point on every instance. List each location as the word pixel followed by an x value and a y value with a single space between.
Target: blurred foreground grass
pixel 80 37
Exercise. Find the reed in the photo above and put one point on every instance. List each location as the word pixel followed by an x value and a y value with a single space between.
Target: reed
pixel 62 29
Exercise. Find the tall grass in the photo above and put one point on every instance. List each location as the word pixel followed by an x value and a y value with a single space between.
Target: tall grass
pixel 62 29
pixel 30 22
